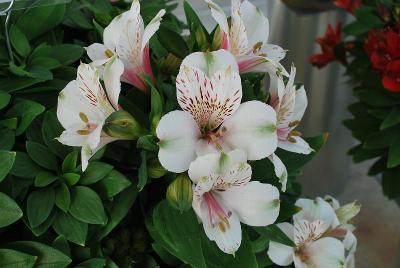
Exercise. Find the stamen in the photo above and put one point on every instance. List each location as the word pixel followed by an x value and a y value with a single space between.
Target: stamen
pixel 216 214
pixel 108 53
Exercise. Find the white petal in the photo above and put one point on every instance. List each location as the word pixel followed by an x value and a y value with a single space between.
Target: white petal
pixel 280 170
pixel 252 129
pixel 204 147
pixel 211 62
pixel 227 239
pixel 209 100
pixel 178 134
pixel 273 52
pixel 238 40
pixel 256 24
pixel 72 138
pixel 350 240
pixel 306 231
pixel 152 28
pixel 300 146
pixel 301 104
pixel 216 163
pixel 98 53
pixel 313 210
pixel 219 15
pixel 281 254
pixel 256 204
pixel 112 80
pixel 73 106
pixel 326 252
pixel 113 31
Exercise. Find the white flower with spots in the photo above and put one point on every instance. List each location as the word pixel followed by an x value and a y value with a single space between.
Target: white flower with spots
pixel 290 105
pixel 127 38
pixel 224 196
pixel 213 119
pixel 246 37
pixel 84 105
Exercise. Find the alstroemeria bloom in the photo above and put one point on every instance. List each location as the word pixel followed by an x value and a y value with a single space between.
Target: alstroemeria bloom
pixel 311 250
pixel 209 91
pixel 247 37
pixel 290 105
pixel 348 5
pixel 83 106
pixel 224 196
pixel 127 38
pixel 336 219
pixel 328 43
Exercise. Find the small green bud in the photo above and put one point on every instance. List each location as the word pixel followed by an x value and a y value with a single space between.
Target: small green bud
pixel 155 170
pixel 180 193
pixel 217 40
pixel 347 212
pixel 170 64
pixel 201 39
pixel 123 126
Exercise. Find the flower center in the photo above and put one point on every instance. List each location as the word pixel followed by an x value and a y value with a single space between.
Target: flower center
pixel 90 127
pixel 303 253
pixel 217 216
pixel 213 137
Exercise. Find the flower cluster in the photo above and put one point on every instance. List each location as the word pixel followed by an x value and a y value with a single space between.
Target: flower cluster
pixel 214 135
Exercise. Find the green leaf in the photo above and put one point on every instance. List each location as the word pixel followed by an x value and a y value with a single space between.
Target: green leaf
pixel 51 129
pixel 7 139
pixel 71 178
pixel 381 139
pixel 156 108
pixel 72 229
pixel 172 42
pixel 274 233
pixel 63 197
pixel 394 154
pixel 92 263
pixel 62 245
pixel 121 205
pixel 113 184
pixel 26 111
pixel 45 62
pixel 391 183
pixel 376 98
pixel 393 118
pixel 67 53
pixel 47 256
pixel 41 155
pixel 366 17
pixel 19 41
pixel 44 178
pixel 179 233
pixel 143 177
pixel 7 160
pixel 198 33
pixel 86 206
pixel 24 167
pixel 148 143
pixel 39 206
pixel 42 228
pixel 355 28
pixel 14 259
pixel 95 172
pixel 215 258
pixel 70 162
pixel 4 99
pixel 10 211
pixel 45 18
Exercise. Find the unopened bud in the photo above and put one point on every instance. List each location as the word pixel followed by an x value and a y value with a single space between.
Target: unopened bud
pixel 154 169
pixel 201 38
pixel 123 126
pixel 170 64
pixel 347 212
pixel 180 193
pixel 217 40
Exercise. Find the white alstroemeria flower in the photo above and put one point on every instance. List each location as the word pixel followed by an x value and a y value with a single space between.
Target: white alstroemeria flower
pixel 330 211
pixel 224 196
pixel 127 38
pixel 311 250
pixel 83 106
pixel 247 37
pixel 290 105
pixel 209 91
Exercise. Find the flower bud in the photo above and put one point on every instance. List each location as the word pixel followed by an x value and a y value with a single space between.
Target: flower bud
pixel 347 212
pixel 154 169
pixel 180 193
pixel 123 126
pixel 217 40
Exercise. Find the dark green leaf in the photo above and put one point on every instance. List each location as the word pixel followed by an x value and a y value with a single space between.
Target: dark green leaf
pixel 114 183
pixel 14 259
pixel 86 206
pixel 7 139
pixel 391 183
pixel 26 111
pixel 393 118
pixel 156 108
pixel 172 42
pixel 142 171
pixel 51 129
pixel 10 211
pixel 41 155
pixel 148 143
pixel 4 99
pixel 44 178
pixel 71 178
pixel 7 160
pixel 42 228
pixel 62 245
pixel 93 263
pixel 24 167
pixel 63 197
pixel 72 229
pixel 19 41
pixel 67 53
pixel 274 233
pixel 95 172
pixel 39 206
pixel 394 154
pixel 70 162
pixel 47 256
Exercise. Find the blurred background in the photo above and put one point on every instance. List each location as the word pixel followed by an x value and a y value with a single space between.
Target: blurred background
pixel 332 171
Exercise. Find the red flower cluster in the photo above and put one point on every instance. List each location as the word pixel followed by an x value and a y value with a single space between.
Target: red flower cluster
pixel 349 5
pixel 328 43
pixel 383 49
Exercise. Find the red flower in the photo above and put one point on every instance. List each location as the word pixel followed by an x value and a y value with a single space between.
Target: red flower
pixel 328 43
pixel 391 78
pixel 349 5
